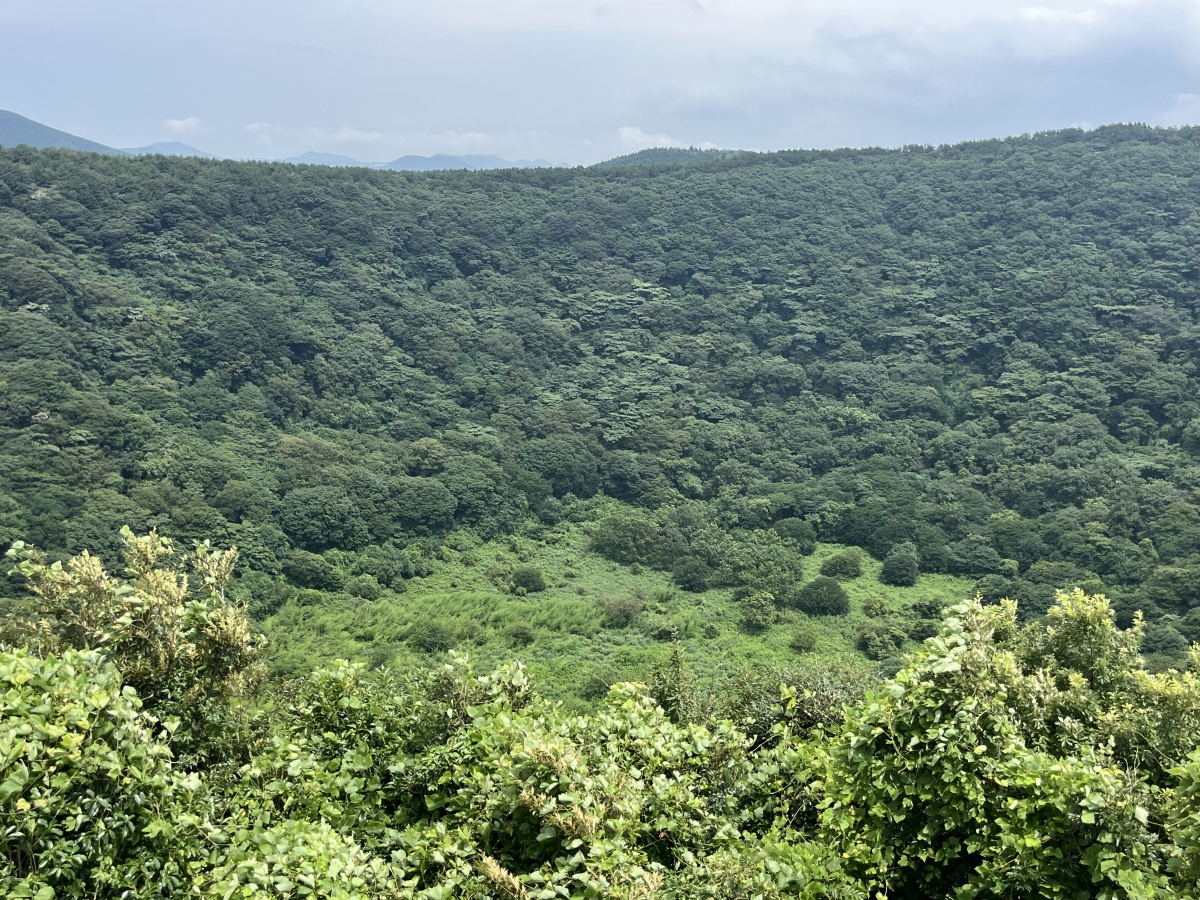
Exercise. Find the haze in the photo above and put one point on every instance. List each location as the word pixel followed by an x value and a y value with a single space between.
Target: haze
pixel 576 82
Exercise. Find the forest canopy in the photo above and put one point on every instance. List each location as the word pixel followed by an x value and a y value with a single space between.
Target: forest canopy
pixel 976 360
pixel 649 428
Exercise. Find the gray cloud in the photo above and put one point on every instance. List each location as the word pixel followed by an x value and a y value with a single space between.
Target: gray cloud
pixel 576 80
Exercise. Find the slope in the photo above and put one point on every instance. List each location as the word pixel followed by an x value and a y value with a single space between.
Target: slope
pixel 974 362
pixel 16 130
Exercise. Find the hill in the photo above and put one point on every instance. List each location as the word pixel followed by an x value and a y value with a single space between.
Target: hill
pixel 741 431
pixel 397 390
pixel 312 158
pixel 446 161
pixel 16 130
pixel 667 156
pixel 168 148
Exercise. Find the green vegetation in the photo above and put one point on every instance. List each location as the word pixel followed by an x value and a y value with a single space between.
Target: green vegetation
pixel 1000 761
pixel 706 429
pixel 668 156
pixel 982 352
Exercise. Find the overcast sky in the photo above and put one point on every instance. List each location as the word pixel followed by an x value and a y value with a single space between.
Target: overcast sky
pixel 574 81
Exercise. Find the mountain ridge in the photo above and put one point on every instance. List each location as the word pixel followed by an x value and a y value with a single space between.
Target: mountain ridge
pixel 16 129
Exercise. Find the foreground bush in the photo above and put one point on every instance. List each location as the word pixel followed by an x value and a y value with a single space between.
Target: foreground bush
pixel 88 797
pixel 1000 761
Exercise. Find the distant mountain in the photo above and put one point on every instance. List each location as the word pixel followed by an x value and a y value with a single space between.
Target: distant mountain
pixel 443 161
pixel 168 148
pixel 327 159
pixel 16 130
pixel 667 156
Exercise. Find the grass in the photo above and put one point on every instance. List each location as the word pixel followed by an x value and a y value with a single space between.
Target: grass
pixel 572 648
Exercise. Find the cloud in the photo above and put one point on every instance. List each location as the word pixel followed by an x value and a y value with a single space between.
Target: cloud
pixel 349 134
pixel 1058 16
pixel 636 139
pixel 579 80
pixel 182 126
pixel 1185 111
pixel 264 133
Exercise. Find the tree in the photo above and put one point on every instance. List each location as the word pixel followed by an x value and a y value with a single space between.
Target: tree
pixel 846 565
pixel 902 566
pixel 1012 799
pixel 187 650
pixel 822 596
pixel 317 518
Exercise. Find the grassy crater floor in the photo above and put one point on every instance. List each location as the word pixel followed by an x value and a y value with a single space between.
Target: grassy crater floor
pixel 595 623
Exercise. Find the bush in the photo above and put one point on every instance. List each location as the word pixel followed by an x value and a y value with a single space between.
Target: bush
pixel 692 574
pixel 927 608
pixel 994 588
pixel 797 532
pixel 432 637
pixel 365 587
pixel 311 570
pixel 880 639
pixel 902 566
pixel 620 612
pixel 758 612
pixel 923 629
pixel 822 596
pixel 660 628
pixel 521 634
pixel 877 607
pixel 804 639
pixel 626 536
pixel 86 791
pixel 595 683
pixel 528 579
pixel 327 864
pixel 843 566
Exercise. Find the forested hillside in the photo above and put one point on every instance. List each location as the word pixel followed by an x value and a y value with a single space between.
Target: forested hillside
pixel 976 363
pixel 718 448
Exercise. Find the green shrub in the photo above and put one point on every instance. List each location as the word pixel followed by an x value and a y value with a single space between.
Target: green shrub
pixel 822 596
pixel 365 587
pixel 431 636
pixel 880 639
pixel 620 612
pixel 310 859
pixel 312 570
pixel 660 628
pixel 902 566
pixel 804 639
pixel 876 607
pixel 798 533
pixel 692 574
pixel 90 803
pixel 528 579
pixel 758 611
pixel 982 812
pixel 521 634
pixel 846 565
pixel 923 629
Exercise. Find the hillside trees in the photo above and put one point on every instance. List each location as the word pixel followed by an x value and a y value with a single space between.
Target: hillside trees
pixel 945 347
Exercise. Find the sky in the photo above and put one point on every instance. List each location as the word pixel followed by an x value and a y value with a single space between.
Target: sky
pixel 574 82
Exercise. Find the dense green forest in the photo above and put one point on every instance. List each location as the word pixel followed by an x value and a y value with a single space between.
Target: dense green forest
pixel 674 433
pixel 976 363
